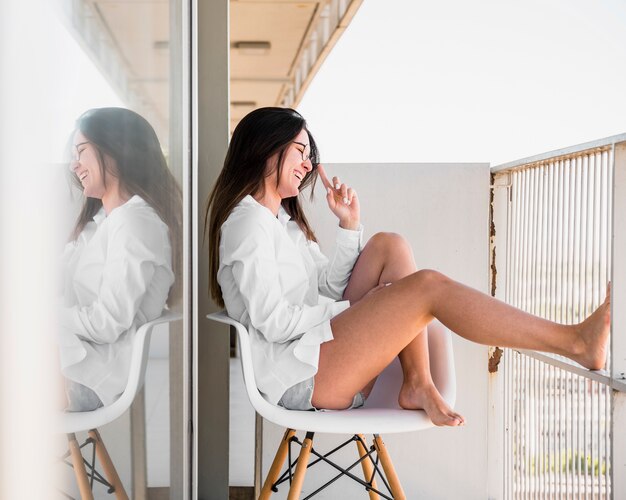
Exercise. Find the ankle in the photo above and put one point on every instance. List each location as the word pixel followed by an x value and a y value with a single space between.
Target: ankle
pixel 578 345
pixel 419 383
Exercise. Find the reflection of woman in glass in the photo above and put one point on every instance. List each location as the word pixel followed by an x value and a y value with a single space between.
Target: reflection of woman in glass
pixel 121 265
pixel 268 271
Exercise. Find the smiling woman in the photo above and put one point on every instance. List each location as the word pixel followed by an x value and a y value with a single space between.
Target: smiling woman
pixel 85 165
pixel 120 266
pixel 309 352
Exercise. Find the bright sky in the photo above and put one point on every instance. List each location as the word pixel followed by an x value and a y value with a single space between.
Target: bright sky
pixel 482 80
pixel 445 80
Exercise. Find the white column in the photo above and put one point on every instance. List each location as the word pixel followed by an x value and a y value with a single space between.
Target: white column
pixel 498 273
pixel 210 132
pixel 618 337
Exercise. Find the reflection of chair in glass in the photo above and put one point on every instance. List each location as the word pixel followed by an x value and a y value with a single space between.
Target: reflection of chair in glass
pixel 91 420
pixel 381 414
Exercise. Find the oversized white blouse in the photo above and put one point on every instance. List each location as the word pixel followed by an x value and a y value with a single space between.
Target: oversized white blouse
pixel 117 276
pixel 274 281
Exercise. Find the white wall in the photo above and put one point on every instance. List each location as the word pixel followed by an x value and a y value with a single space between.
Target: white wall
pixel 443 211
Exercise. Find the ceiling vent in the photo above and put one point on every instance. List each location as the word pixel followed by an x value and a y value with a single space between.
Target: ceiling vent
pixel 252 48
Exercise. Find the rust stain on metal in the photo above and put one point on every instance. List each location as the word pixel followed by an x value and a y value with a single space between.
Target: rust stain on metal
pixel 492 238
pixel 495 355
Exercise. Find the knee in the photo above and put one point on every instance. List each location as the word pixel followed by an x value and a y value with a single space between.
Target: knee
pixel 391 244
pixel 428 278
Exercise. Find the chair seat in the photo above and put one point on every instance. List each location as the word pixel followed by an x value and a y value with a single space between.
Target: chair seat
pixel 381 413
pixel 72 422
pixel 357 421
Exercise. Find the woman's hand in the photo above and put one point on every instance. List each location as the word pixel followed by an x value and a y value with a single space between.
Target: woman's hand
pixel 342 201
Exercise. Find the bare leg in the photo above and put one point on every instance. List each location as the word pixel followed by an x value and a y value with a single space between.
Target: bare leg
pixel 373 331
pixel 418 389
pixel 388 258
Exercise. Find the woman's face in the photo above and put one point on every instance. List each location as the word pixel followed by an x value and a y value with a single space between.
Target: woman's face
pixel 294 167
pixel 86 167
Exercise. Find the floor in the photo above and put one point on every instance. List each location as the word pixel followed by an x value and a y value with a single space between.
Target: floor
pixel 242 416
pixel 241 456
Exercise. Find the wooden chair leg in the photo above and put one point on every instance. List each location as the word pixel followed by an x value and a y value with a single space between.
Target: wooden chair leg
pixel 277 464
pixel 107 466
pixel 390 472
pixel 79 468
pixel 366 465
pixel 301 466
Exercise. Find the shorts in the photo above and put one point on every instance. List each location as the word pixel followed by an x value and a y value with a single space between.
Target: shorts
pixel 299 396
pixel 80 397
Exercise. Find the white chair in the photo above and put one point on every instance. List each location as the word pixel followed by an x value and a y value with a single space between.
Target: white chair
pixel 381 414
pixel 70 423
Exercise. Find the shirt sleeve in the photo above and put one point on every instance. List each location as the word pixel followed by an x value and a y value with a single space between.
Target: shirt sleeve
pixel 248 247
pixel 334 274
pixel 135 248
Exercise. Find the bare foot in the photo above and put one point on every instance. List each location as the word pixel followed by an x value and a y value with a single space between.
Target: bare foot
pixel 427 398
pixel 594 334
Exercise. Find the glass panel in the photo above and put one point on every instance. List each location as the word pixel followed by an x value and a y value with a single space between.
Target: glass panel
pixel 128 54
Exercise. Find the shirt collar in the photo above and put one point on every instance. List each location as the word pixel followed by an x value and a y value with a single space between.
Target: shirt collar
pixel 101 214
pixel 283 216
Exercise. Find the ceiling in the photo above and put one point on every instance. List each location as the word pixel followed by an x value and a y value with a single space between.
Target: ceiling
pixel 277 47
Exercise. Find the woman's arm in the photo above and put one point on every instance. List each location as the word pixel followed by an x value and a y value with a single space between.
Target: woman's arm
pixel 342 201
pixel 136 247
pixel 333 274
pixel 248 247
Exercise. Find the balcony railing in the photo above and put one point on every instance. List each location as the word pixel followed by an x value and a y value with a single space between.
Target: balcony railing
pixel 552 252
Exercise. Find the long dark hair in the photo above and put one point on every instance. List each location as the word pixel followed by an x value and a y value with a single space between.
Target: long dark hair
pixel 260 135
pixel 131 142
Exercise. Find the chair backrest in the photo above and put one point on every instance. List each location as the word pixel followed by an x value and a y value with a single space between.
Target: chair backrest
pixel 263 407
pixel 80 421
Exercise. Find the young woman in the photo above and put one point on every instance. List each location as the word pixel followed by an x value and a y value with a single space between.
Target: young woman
pixel 267 270
pixel 121 264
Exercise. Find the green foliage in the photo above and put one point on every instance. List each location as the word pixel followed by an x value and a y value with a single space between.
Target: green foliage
pixel 567 462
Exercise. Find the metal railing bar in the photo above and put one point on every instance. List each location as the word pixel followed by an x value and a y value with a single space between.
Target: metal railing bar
pixel 538 237
pixel 553 434
pixel 609 249
pixel 523 414
pixel 570 244
pixel 569 376
pixel 534 425
pixel 563 248
pixel 577 462
pixel 525 242
pixel 607 440
pixel 562 448
pixel 601 376
pixel 598 144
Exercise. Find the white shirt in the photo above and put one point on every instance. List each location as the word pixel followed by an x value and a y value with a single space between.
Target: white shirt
pixel 271 278
pixel 117 276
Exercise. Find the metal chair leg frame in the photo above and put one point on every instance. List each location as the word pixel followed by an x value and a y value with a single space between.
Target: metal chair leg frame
pixel 366 465
pixel 86 472
pixel 94 475
pixel 109 469
pixel 370 467
pixel 346 472
pixel 291 464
